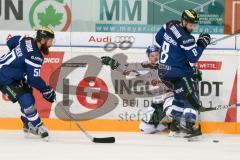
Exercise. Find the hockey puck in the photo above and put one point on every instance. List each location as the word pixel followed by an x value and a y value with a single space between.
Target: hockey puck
pixel 190 140
pixel 215 141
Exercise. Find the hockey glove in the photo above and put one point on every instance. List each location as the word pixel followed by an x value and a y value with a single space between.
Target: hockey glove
pixel 49 94
pixel 204 40
pixel 110 62
pixel 197 75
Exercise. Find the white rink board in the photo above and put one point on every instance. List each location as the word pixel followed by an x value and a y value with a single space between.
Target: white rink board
pixel 98 39
pixel 224 77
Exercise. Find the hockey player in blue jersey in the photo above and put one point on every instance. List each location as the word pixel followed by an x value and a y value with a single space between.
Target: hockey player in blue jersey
pixel 178 50
pixel 20 71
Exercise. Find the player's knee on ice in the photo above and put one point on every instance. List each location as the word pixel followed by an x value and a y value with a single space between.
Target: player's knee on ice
pixel 155 114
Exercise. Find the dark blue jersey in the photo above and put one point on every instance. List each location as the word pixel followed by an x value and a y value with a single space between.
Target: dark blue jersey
pixel 178 49
pixel 13 42
pixel 24 59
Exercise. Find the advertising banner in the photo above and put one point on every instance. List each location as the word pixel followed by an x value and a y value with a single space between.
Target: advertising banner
pixel 146 16
pixel 219 85
pixel 20 15
pixel 131 16
pixel 92 91
pixel 109 40
pixel 140 40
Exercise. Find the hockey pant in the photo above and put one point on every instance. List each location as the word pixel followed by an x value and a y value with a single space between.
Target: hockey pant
pixel 21 92
pixel 154 116
pixel 183 107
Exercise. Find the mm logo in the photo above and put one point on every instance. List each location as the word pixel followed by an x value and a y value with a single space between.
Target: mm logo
pixel 120 10
pixel 122 16
pixel 52 13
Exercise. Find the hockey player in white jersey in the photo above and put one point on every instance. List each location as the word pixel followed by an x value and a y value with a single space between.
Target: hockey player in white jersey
pixel 156 121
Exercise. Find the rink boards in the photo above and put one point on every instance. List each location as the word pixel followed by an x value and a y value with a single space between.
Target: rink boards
pixel 66 68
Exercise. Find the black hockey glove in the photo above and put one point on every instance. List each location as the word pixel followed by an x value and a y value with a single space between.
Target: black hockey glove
pixel 49 94
pixel 197 75
pixel 110 62
pixel 204 40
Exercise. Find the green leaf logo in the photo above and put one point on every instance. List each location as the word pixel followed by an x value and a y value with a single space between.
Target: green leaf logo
pixel 50 17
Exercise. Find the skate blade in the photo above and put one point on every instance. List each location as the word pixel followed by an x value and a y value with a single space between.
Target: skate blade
pixel 194 139
pixel 34 136
pixel 175 134
pixel 29 135
pixel 46 139
pixel 193 135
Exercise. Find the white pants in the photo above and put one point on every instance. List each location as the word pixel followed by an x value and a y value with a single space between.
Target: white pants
pixel 150 129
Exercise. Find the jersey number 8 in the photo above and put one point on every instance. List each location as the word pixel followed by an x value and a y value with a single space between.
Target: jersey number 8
pixel 164 53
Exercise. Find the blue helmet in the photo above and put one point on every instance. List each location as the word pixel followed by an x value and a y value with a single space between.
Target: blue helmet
pixel 153 48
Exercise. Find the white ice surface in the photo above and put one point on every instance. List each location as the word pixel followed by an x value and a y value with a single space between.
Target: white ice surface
pixel 128 146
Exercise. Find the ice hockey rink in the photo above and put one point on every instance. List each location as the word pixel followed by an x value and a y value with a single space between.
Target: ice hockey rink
pixel 112 102
pixel 74 145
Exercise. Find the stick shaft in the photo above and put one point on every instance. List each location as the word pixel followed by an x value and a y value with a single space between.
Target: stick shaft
pixel 223 38
pixel 78 125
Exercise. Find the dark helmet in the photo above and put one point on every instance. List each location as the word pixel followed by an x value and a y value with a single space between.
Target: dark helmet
pixel 190 16
pixel 45 32
pixel 153 48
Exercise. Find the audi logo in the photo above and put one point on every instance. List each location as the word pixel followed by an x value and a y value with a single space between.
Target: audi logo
pixel 121 39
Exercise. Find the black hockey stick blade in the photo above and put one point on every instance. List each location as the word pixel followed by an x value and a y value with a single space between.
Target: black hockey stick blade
pixel 93 139
pixel 104 140
pixel 203 109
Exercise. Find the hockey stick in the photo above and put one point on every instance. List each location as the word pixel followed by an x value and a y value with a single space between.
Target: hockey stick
pixel 93 139
pixel 219 107
pixel 198 97
pixel 214 40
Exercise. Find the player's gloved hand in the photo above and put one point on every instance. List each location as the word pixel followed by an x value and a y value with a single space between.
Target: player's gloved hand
pixel 204 40
pixel 197 75
pixel 49 94
pixel 110 62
